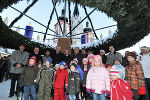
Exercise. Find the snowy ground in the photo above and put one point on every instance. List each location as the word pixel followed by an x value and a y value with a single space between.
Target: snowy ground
pixel 4 91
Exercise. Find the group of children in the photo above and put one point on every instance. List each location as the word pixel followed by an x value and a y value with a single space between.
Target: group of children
pixel 90 80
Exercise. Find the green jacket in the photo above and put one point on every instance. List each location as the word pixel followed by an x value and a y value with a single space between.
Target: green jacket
pixel 28 75
pixel 45 79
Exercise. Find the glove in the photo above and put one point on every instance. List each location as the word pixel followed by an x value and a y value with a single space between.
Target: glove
pixel 107 93
pixel 21 86
pixel 142 91
pixel 88 90
pixel 93 90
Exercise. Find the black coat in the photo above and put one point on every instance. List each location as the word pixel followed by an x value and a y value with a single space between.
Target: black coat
pixel 85 74
pixel 67 59
pixel 38 57
pixel 104 58
pixel 73 83
pixel 57 58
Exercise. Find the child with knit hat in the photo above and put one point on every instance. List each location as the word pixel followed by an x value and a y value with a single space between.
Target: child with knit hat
pixel 91 59
pixel 60 81
pixel 120 68
pixel 98 79
pixel 27 79
pixel 120 89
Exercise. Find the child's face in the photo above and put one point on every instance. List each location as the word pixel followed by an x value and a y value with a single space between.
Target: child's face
pixel 31 62
pixel 47 63
pixel 72 68
pixel 56 67
pixel 97 63
pixel 62 67
pixel 91 60
pixel 113 77
pixel 40 65
pixel 117 62
pixel 84 62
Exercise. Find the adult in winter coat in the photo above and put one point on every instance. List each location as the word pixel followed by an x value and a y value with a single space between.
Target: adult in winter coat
pixel 45 79
pixel 134 75
pixel 145 61
pixel 47 57
pixel 120 89
pixel 60 82
pixel 73 88
pixel 19 59
pixel 27 79
pixel 104 57
pixel 112 56
pixel 58 56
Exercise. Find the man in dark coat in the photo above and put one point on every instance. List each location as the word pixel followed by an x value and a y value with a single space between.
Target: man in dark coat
pixel 67 57
pixel 77 55
pixel 58 56
pixel 104 57
pixel 84 53
pixel 37 55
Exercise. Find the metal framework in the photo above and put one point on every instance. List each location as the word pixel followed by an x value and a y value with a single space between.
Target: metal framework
pixel 47 27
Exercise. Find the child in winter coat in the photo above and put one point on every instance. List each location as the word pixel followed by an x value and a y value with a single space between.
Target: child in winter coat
pixel 120 68
pixel 78 68
pixel 91 60
pixel 60 82
pixel 44 79
pixel 120 89
pixel 27 79
pixel 85 67
pixel 73 88
pixel 98 80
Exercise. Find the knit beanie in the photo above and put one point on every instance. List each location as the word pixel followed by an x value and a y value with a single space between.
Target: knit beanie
pixel 114 71
pixel 63 63
pixel 99 58
pixel 34 58
pixel 90 56
pixel 132 54
pixel 76 60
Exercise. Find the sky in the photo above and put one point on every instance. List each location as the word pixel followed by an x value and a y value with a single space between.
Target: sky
pixel 42 10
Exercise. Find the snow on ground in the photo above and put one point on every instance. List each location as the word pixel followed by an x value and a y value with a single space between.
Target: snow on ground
pixel 4 91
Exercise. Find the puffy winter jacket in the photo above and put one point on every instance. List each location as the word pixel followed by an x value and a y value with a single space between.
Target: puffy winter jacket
pixel 98 80
pixel 45 80
pixel 73 83
pixel 120 90
pixel 61 78
pixel 28 75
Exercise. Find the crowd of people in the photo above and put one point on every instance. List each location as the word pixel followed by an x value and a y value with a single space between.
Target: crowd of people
pixel 79 76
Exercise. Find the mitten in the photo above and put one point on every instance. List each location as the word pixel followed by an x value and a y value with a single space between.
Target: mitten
pixel 142 91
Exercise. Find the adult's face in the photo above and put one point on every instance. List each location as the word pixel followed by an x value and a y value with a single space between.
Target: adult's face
pixel 83 52
pixel 102 53
pixel 111 49
pixel 143 51
pixel 36 50
pixel 76 50
pixel 47 53
pixel 58 49
pixel 66 52
pixel 21 47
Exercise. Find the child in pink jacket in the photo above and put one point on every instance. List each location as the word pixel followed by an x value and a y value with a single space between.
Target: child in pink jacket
pixel 98 80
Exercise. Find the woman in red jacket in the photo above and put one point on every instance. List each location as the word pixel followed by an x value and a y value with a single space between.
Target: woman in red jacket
pixel 60 81
pixel 120 89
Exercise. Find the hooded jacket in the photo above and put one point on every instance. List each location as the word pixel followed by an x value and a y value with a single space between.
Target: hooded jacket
pixel 73 83
pixel 120 90
pixel 61 78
